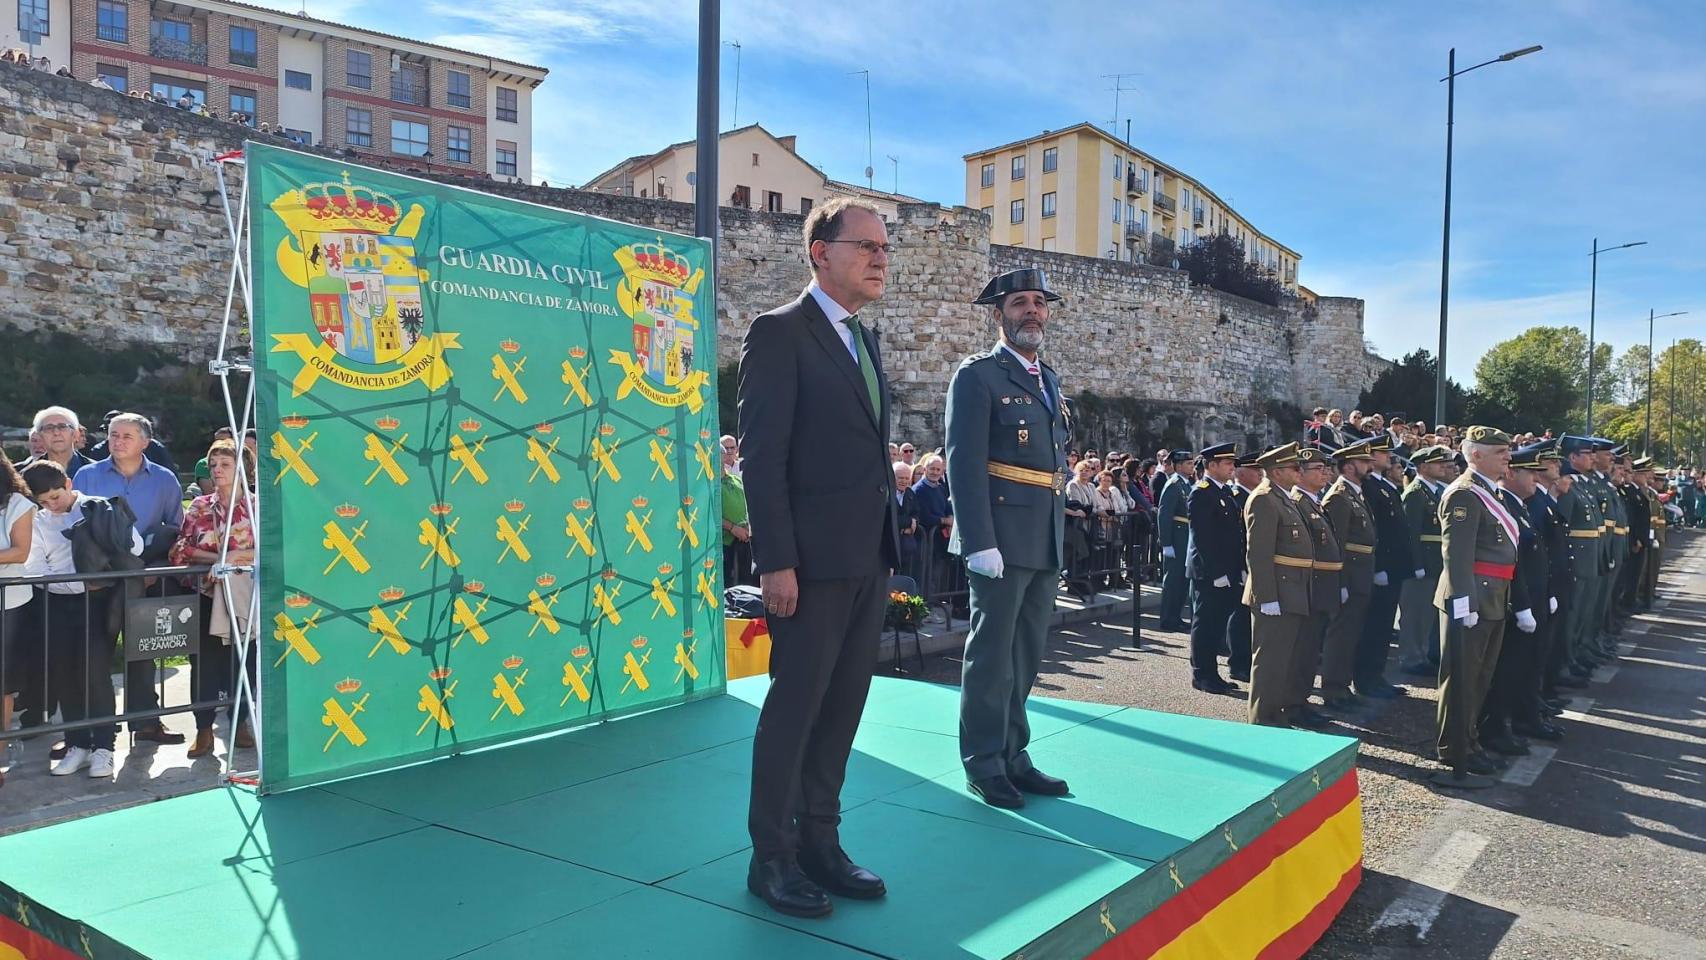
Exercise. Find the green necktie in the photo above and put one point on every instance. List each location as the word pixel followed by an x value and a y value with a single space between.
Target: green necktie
pixel 866 367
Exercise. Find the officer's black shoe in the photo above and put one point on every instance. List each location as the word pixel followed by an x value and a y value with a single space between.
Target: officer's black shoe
pixel 1379 690
pixel 1037 782
pixel 1420 669
pixel 997 792
pixel 1309 719
pixel 785 887
pixel 1478 764
pixel 1538 729
pixel 1344 701
pixel 1498 760
pixel 1571 680
pixel 1177 626
pixel 829 868
pixel 1243 676
pixel 1550 709
pixel 1214 685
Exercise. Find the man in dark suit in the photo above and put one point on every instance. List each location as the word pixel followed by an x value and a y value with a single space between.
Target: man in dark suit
pixel 1393 564
pixel 814 415
pixel 906 519
pixel 1214 560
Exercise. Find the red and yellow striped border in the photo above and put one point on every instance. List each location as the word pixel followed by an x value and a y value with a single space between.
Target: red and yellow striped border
pixel 1271 900
pixel 18 942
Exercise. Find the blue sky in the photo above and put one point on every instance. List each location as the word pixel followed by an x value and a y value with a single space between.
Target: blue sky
pixel 1322 122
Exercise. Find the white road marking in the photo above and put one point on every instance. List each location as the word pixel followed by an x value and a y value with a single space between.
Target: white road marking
pixel 1419 906
pixel 1578 708
pixel 1525 770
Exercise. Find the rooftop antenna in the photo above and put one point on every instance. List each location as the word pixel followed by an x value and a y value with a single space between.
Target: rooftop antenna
pixel 870 154
pixel 1119 80
pixel 734 118
pixel 896 161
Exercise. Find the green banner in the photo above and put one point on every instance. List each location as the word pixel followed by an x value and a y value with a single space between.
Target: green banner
pixel 488 478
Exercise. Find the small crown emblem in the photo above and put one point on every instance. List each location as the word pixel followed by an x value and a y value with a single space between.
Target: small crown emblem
pixel 439 673
pixel 579 353
pixel 347 685
pixel 439 509
pixel 545 579
pixel 580 651
pixel 295 421
pixel 687 634
pixel 363 206
pixel 391 593
pixel 346 510
pixel 474 586
pixel 687 501
pixel 638 642
pixel 608 573
pixel 710 563
pixel 514 506
pixel 469 425
pixel 655 261
pixel 704 434
pixel 545 428
pixel 509 346
pixel 606 430
pixel 387 423
pixel 640 503
pixel 581 503
pixel 512 661
pixel 665 569
pixel 663 431
pixel 296 601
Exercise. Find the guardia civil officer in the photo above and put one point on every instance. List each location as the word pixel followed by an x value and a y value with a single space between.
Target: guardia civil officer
pixel 1214 561
pixel 1394 563
pixel 1578 504
pixel 1172 529
pixel 1418 622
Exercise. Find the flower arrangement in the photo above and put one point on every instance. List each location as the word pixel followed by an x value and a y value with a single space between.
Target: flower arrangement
pixel 906 610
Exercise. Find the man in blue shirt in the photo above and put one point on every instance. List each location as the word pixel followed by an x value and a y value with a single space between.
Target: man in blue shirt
pixel 157 499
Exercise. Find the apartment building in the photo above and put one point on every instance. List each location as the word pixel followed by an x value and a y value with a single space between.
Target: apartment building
pixel 386 97
pixel 1083 191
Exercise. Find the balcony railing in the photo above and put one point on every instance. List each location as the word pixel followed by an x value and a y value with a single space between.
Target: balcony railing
pixel 1165 204
pixel 184 51
pixel 1134 231
pixel 1134 184
pixel 112 33
pixel 1196 217
pixel 408 89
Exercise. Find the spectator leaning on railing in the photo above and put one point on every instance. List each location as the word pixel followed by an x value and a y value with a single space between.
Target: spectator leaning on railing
pixel 17 649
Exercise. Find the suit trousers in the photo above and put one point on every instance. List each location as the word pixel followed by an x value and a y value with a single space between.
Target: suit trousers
pixel 1650 576
pixel 1629 584
pixel 1009 631
pixel 1238 641
pixel 1557 650
pixel 1418 621
pixel 821 660
pixel 1508 694
pixel 1309 641
pixel 1582 604
pixel 1274 652
pixel 1173 584
pixel 1211 610
pixel 1463 691
pixel 1338 655
pixel 1375 643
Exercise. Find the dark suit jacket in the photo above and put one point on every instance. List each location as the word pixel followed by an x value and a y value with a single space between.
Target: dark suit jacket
pixel 1216 543
pixel 906 511
pixel 814 455
pixel 1393 549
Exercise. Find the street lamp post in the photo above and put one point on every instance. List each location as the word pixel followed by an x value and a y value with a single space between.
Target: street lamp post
pixel 1647 444
pixel 1671 429
pixel 1450 81
pixel 1593 298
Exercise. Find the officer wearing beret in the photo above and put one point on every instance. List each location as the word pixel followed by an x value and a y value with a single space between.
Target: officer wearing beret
pixel 1172 528
pixel 1280 560
pixel 1589 559
pixel 1346 511
pixel 1418 622
pixel 1657 527
pixel 1214 561
pixel 1007 432
pixel 1394 563
pixel 1479 554
pixel 1327 592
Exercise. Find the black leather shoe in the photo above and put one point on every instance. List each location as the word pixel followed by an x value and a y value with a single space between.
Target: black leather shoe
pixel 1571 681
pixel 997 792
pixel 1498 760
pixel 1037 782
pixel 1214 685
pixel 785 887
pixel 1309 719
pixel 1506 745
pixel 1242 676
pixel 830 869
pixel 1379 690
pixel 1478 764
pixel 1538 729
pixel 1549 709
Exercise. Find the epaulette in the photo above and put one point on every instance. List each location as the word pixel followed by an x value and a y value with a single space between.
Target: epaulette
pixel 987 354
pixel 1202 484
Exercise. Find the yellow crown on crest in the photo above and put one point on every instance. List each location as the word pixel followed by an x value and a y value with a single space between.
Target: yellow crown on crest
pixel 474 586
pixel 608 573
pixel 391 593
pixel 605 430
pixel 349 205
pixel 347 685
pixel 640 503
pixel 638 642
pixel 578 353
pixel 663 431
pixel 687 501
pixel 346 510
pixel 295 421
pixel 665 569
pixel 509 346
pixel 654 261
pixel 580 651
pixel 581 503
pixel 470 425
pixel 439 673
pixel 296 601
pixel 545 428
pixel 545 579
pixel 512 661
pixel 515 506
pixel 439 509
pixel 387 423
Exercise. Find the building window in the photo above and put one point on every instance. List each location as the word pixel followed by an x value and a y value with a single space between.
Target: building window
pixel 1119 167
pixel 177 31
pixel 173 89
pixel 1048 245
pixel 506 158
pixel 112 21
pixel 1048 205
pixel 116 77
pixel 32 20
pixel 755 159
pixel 1051 160
pixel 805 205
pixel 506 104
pixel 990 213
pixel 1116 210
pixel 409 84
pixel 358 69
pixel 461 144
pixel 1019 167
pixel 989 174
pixel 1016 212
pixel 245 50
pixel 408 138
pixel 301 137
pixel 1130 215
pixel 458 89
pixel 358 127
pixel 297 80
pixel 772 202
pixel 742 197
pixel 243 102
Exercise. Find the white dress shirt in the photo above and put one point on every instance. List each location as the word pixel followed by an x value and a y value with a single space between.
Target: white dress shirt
pixel 837 315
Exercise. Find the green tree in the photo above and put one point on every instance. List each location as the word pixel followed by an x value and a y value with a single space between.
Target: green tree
pixel 1219 261
pixel 1408 387
pixel 1540 378
pixel 1629 377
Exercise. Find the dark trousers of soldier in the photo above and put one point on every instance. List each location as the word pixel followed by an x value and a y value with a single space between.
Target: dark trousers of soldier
pixel 1375 644
pixel 1173 586
pixel 1009 629
pixel 1238 642
pixel 1510 694
pixel 1464 690
pixel 1274 650
pixel 1308 660
pixel 1583 623
pixel 1418 621
pixel 1211 609
pixel 1338 654
pixel 1602 621
pixel 1650 577
pixel 1556 651
pixel 1629 582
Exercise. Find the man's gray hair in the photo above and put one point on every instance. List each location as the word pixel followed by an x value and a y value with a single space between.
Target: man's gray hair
pixel 1470 448
pixel 825 221
pixel 65 412
pixel 136 420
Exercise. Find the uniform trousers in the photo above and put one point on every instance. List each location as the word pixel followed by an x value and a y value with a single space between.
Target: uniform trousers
pixel 1173 586
pixel 1463 690
pixel 1583 627
pixel 1009 631
pixel 1375 643
pixel 1509 694
pixel 1650 575
pixel 1418 621
pixel 1238 642
pixel 1338 655
pixel 1309 641
pixel 1274 652
pixel 1211 609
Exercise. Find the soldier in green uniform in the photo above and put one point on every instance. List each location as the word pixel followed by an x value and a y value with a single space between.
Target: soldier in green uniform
pixel 1479 553
pixel 1612 545
pixel 1658 526
pixel 1173 530
pixel 1638 540
pixel 1579 507
pixel 1351 522
pixel 1327 591
pixel 1418 622
pixel 1280 559
pixel 1006 449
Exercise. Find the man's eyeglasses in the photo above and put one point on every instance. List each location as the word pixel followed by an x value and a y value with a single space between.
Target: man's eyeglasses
pixel 55 427
pixel 869 247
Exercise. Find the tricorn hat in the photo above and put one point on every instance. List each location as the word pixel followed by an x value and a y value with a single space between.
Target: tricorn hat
pixel 1015 281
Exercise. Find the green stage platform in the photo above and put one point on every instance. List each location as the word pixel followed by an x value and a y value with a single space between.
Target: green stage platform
pixel 494 854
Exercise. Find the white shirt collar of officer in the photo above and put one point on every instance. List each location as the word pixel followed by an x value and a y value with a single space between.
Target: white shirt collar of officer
pixel 1307 493
pixel 1032 367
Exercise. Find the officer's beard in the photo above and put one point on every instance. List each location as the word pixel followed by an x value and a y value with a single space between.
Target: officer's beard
pixel 1022 336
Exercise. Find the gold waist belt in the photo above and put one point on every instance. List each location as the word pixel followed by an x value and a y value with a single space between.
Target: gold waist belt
pixel 1620 531
pixel 1326 565
pixel 1183 520
pixel 1036 478
pixel 1585 534
pixel 1294 562
pixel 1433 538
pixel 1359 548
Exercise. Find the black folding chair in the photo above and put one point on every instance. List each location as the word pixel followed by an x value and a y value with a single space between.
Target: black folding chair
pixel 903 584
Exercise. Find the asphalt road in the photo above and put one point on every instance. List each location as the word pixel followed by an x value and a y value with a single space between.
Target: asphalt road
pixel 1593 851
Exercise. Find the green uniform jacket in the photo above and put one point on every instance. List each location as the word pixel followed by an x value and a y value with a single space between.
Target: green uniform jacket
pixel 996 413
pixel 1473 534
pixel 1173 523
pixel 1328 573
pixel 1274 529
pixel 1580 510
pixel 1612 545
pixel 1656 519
pixel 1355 529
pixel 1421 508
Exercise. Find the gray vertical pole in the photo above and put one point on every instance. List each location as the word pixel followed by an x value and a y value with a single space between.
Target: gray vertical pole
pixel 1593 295
pixel 705 173
pixel 1670 431
pixel 1445 244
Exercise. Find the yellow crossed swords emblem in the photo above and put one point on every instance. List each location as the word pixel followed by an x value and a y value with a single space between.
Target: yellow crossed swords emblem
pixel 1173 872
pixel 506 377
pixel 636 526
pixel 510 537
pixel 636 671
pixel 660 595
pixel 660 456
pixel 684 659
pixel 344 546
pixel 686 523
pixel 436 707
pixel 1107 921
pixel 291 457
pixel 465 455
pixel 468 618
pixel 576 379
pixel 575 680
pixel 295 637
pixel 707 590
pixel 506 693
pixel 606 604
pixel 602 455
pixel 703 455
pixel 541 610
pixel 389 629
pixel 343 722
pixel 386 459
pixel 580 532
pixel 23 913
pixel 438 544
pixel 541 457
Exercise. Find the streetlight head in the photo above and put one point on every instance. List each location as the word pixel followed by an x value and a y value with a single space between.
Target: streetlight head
pixel 1525 51
pixel 1638 243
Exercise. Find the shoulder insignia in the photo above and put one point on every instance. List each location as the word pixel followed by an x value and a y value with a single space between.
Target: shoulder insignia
pixel 1202 484
pixel 1459 513
pixel 974 358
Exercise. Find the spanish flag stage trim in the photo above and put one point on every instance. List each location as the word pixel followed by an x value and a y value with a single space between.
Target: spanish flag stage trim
pixel 1270 900
pixel 18 942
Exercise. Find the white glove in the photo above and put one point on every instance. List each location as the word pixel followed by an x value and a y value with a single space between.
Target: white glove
pixel 1420 573
pixel 1380 579
pixel 1344 595
pixel 1472 619
pixel 1168 552
pixel 1222 582
pixel 1270 609
pixel 1551 604
pixel 1525 621
pixel 986 563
